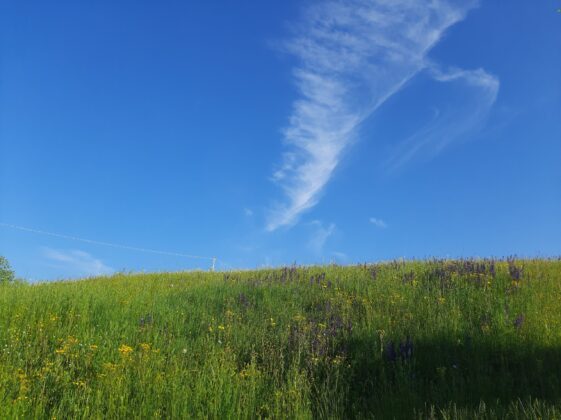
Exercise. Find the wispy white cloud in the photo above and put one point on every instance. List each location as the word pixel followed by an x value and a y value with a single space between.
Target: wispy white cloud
pixel 77 262
pixel 320 236
pixel 340 256
pixel 452 123
pixel 352 56
pixel 248 212
pixel 378 223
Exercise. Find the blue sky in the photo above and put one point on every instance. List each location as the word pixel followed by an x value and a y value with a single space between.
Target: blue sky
pixel 268 133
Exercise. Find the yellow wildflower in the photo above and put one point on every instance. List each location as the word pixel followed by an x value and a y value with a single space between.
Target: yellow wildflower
pixel 109 366
pixel 93 347
pixel 145 347
pixel 71 340
pixel 337 360
pixel 221 327
pixel 125 350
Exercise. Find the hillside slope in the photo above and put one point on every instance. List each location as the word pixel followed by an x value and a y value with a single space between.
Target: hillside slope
pixel 433 338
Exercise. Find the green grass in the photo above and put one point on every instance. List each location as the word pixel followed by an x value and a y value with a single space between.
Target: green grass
pixel 446 339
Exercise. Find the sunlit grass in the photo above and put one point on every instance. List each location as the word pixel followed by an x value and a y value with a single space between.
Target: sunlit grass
pixel 447 339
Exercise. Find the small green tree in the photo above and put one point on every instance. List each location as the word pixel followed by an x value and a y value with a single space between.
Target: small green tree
pixel 6 272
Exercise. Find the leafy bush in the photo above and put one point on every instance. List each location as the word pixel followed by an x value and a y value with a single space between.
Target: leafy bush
pixel 6 273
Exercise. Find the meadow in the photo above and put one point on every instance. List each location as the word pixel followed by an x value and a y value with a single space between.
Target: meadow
pixel 421 339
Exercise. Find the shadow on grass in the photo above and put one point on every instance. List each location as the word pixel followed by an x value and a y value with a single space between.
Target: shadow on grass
pixel 409 377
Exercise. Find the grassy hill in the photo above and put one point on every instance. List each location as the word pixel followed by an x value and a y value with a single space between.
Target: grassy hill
pixel 441 339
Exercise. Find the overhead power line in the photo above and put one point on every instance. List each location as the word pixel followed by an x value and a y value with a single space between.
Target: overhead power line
pixel 109 244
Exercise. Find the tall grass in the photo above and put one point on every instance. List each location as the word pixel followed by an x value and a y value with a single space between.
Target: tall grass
pixel 434 339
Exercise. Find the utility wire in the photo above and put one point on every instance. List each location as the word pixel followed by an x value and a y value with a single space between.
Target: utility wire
pixel 89 241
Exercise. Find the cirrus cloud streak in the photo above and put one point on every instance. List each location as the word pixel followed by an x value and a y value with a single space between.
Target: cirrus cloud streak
pixel 351 55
